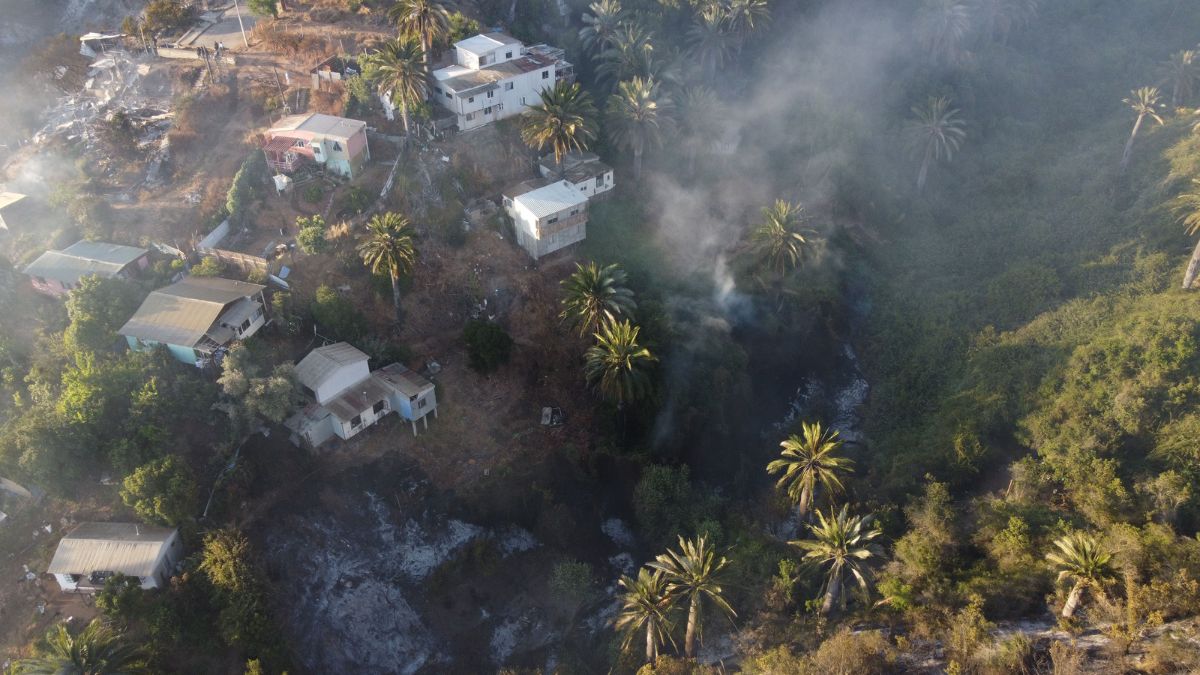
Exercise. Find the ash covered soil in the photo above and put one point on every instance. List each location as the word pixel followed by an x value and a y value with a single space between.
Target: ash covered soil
pixel 374 570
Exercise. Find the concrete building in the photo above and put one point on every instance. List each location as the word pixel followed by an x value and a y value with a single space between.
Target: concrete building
pixel 337 143
pixel 584 170
pixel 92 552
pixel 57 272
pixel 547 216
pixel 494 76
pixel 197 318
pixel 347 397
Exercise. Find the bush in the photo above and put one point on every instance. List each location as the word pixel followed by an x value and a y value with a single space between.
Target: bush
pixel 488 346
pixel 336 317
pixel 313 193
pixel 663 503
pixel 312 237
pixel 208 267
pixel 162 492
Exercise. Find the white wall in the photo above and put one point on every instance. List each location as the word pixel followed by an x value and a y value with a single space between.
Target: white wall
pixel 505 102
pixel 369 418
pixel 343 377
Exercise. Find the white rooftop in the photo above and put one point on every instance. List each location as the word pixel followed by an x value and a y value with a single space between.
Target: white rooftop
pixel 127 548
pixel 323 362
pixel 485 44
pixel 552 198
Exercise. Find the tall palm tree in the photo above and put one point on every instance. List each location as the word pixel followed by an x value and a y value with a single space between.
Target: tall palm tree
pixel 711 39
pixel 693 572
pixel 943 27
pixel 97 650
pixel 397 67
pixel 594 295
pixel 934 133
pixel 630 53
pixel 1187 206
pixel 843 545
pixel 700 121
pixel 1182 73
pixel 424 20
pixel 617 365
pixel 639 117
pixel 1145 103
pixel 778 237
pixel 809 461
pixel 645 606
pixel 600 27
pixel 1080 558
pixel 563 121
pixel 389 248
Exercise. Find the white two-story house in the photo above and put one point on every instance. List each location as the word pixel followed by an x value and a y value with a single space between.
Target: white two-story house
pixel 495 76
pixel 584 170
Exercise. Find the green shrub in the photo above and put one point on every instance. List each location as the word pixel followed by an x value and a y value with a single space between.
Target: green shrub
pixel 209 267
pixel 336 317
pixel 313 193
pixel 488 346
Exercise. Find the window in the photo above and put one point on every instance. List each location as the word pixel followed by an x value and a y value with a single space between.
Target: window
pixel 469 116
pixel 508 55
pixel 508 86
pixel 448 95
pixel 421 404
pixel 438 89
pixel 492 94
pixel 356 422
pixel 545 74
pixel 378 407
pixel 487 110
pixel 551 221
pixel 471 100
pixel 337 147
pixel 245 324
pixel 574 211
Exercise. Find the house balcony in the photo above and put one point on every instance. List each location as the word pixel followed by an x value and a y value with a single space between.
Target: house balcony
pixel 562 224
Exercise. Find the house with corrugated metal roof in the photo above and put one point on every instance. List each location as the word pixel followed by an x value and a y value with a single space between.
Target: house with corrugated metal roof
pixel 547 216
pixel 58 272
pixel 91 553
pixel 346 397
pixel 337 143
pixel 197 318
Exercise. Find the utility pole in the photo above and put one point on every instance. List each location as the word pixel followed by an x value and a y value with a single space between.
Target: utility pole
pixel 237 8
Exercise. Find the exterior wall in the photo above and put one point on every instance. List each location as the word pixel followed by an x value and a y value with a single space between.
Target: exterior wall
pixel 539 237
pixel 411 409
pixel 345 431
pixel 346 161
pixel 342 378
pixel 65 582
pixel 50 287
pixel 183 354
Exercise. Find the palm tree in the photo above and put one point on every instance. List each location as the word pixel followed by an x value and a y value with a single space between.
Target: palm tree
pixel 397 67
pixel 425 20
pixel 389 248
pixel 700 121
pixel 693 572
pixel 1145 103
pixel 808 462
pixel 617 365
pixel 596 295
pixel 600 27
pixel 997 18
pixel 934 134
pixel 563 121
pixel 711 39
pixel 745 16
pixel 638 117
pixel 97 650
pixel 778 237
pixel 1080 557
pixel 645 605
pixel 841 543
pixel 630 53
pixel 943 26
pixel 1187 205
pixel 1182 73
